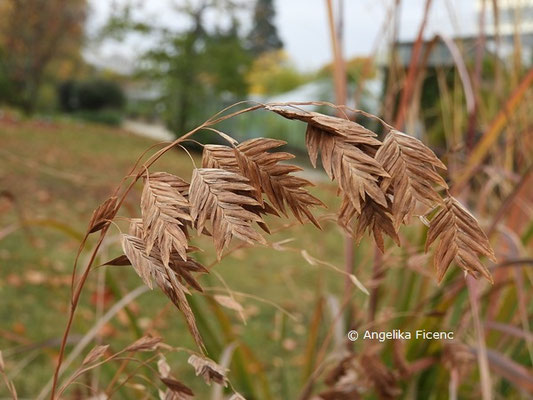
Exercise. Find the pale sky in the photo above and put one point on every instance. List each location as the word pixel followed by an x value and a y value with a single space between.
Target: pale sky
pixel 302 25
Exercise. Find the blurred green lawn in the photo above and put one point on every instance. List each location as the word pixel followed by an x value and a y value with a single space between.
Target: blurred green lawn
pixel 58 172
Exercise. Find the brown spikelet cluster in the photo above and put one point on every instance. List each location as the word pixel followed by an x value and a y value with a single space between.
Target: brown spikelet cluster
pixel 411 167
pixel 165 211
pixel 461 240
pixel 267 175
pixel 380 184
pixel 221 197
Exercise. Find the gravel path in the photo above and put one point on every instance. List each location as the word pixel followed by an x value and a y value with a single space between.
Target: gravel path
pixel 152 131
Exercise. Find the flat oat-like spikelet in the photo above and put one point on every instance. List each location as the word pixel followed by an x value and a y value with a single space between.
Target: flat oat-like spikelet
pixel 219 156
pixel 253 160
pixel 150 266
pixel 221 196
pixel 461 239
pixel 357 172
pixel 373 217
pixel 333 125
pixel 165 212
pixel 411 166
pixel 103 214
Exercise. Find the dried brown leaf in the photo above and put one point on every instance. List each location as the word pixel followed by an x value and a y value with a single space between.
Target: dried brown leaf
pixel 461 240
pixel 165 212
pixel 2 365
pixel 95 354
pixel 209 370
pixel 103 214
pixel 220 196
pixel 411 166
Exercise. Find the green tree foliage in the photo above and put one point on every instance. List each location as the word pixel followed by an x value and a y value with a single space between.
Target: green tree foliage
pixel 92 95
pixel 33 35
pixel 264 35
pixel 272 72
pixel 198 70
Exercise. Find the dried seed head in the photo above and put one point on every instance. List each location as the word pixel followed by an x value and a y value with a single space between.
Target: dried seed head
pixel 95 354
pixel 461 239
pixel 209 370
pixel 103 213
pixel 176 389
pixel 146 343
pixel 220 196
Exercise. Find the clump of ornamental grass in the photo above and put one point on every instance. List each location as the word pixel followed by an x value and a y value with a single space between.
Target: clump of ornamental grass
pixel 382 183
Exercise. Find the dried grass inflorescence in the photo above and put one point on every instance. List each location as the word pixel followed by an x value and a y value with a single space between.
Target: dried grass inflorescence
pixel 380 184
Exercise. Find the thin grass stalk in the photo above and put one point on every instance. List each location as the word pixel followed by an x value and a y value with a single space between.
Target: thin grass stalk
pixel 339 77
pixel 394 71
pixel 522 309
pixel 446 109
pixel 88 337
pixel 369 62
pixel 490 136
pixel 412 71
pixel 526 181
pixel 498 39
pixel 476 83
pixel 339 68
pixel 486 385
pixel 83 278
pixel 378 274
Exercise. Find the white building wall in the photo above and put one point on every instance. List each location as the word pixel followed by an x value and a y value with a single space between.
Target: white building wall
pixel 515 16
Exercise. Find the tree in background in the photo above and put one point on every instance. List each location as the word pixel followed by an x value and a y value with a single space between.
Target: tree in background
pixel 34 34
pixel 199 69
pixel 93 95
pixel 272 72
pixel 264 35
pixel 358 69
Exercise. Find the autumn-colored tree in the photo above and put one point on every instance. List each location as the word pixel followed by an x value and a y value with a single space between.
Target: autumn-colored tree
pixel 357 69
pixel 272 72
pixel 33 34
